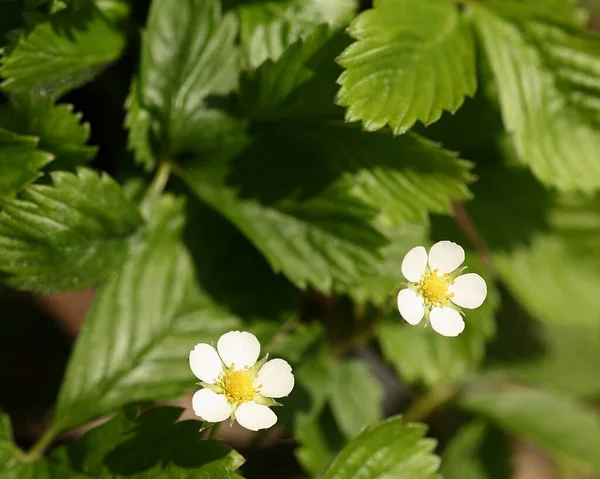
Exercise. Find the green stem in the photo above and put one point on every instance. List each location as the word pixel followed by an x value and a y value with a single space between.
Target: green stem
pixel 157 186
pixel 425 405
pixel 39 448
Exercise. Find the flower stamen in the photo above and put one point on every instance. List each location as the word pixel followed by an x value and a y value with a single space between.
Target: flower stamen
pixel 434 288
pixel 238 386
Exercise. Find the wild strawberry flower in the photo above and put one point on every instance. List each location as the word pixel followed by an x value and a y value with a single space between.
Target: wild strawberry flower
pixel 235 385
pixel 436 290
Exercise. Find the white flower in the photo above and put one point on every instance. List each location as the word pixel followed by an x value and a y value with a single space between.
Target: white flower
pixel 436 291
pixel 235 384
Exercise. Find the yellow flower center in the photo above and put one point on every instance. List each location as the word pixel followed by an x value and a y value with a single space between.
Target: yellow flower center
pixel 434 288
pixel 238 386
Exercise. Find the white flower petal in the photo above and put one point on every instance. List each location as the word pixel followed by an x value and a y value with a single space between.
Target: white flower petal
pixel 410 305
pixel 210 406
pixel 469 290
pixel 205 363
pixel 275 379
pixel 446 256
pixel 255 416
pixel 414 263
pixel 238 348
pixel 446 321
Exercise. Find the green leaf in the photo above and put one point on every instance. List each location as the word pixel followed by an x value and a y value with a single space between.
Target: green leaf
pixel 60 53
pixel 420 355
pixel 561 10
pixel 144 321
pixel 547 80
pixel 387 449
pixel 477 452
pixel 138 121
pixel 20 162
pixel 59 130
pixel 320 241
pixel 299 84
pixel 66 236
pixel 411 61
pixel 189 64
pixel 352 411
pixel 267 27
pixel 563 427
pixel 151 445
pixel 312 214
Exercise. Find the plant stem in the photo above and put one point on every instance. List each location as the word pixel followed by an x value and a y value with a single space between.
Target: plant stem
pixel 425 405
pixel 39 448
pixel 156 187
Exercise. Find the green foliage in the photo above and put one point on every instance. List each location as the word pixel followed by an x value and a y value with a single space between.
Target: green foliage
pixel 61 52
pixel 59 130
pixel 554 114
pixel 267 28
pixel 389 448
pixel 68 235
pixel 545 418
pixel 188 63
pixel 353 412
pixel 20 162
pixel 328 209
pixel 299 84
pixel 155 288
pixel 477 452
pixel 411 61
pixel 248 202
pixel 151 445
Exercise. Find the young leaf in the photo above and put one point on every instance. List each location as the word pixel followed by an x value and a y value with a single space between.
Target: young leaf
pixel 545 418
pixel 59 130
pixel 160 312
pixel 299 84
pixel 138 121
pixel 60 53
pixel 352 411
pixel 411 61
pixel 151 445
pixel 547 80
pixel 68 235
pixel 387 449
pixel 189 64
pixel 20 162
pixel 268 28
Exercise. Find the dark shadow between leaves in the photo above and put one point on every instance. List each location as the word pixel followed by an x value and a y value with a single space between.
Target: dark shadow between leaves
pixel 230 268
pixel 511 207
pixel 518 337
pixel 157 441
pixel 301 159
